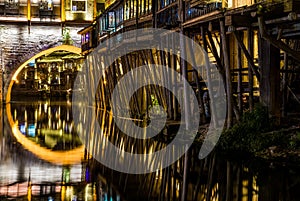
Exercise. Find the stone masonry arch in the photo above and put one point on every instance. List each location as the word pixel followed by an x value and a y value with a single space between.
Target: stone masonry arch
pixel 13 76
pixel 18 45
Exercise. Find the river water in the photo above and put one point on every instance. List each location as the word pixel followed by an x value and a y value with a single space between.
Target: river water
pixel 43 158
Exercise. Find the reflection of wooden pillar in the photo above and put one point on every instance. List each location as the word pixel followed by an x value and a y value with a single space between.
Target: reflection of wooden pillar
pixel 62 12
pixel 28 10
pixel 270 77
pixel 95 9
pixel 228 75
pixel 28 14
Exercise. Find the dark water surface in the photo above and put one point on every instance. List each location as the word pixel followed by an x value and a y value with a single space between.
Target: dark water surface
pixel 42 158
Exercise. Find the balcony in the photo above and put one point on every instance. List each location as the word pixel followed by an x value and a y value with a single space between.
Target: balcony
pixel 198 8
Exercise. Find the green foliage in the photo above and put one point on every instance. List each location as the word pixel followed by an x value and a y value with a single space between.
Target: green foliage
pixel 67 40
pixel 294 141
pixel 247 134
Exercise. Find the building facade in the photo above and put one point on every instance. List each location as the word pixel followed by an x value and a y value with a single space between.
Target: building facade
pixel 252 43
pixel 50 10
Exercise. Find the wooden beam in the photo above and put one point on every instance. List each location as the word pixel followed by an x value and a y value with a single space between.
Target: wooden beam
pixel 245 51
pixel 276 43
pixel 215 53
pixel 238 20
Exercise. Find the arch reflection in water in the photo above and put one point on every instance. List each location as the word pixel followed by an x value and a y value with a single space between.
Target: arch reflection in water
pixel 46 129
pixel 68 176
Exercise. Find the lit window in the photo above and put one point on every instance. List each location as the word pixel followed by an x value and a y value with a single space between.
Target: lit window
pixel 111 19
pixel 46 5
pixel 78 5
pixel 87 36
pixel 11 4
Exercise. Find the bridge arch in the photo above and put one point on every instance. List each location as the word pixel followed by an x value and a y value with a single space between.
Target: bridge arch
pixel 12 79
pixel 57 157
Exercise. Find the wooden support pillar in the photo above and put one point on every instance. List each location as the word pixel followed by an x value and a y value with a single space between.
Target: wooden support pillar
pixel 62 14
pixel 209 81
pixel 28 15
pixel 174 81
pixel 284 85
pixel 197 80
pixel 28 10
pixel 183 65
pixel 95 9
pixel 239 87
pixel 270 77
pixel 228 75
pixel 169 80
pixel 250 72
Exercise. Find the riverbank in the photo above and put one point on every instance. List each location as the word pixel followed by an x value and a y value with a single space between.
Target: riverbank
pixel 257 135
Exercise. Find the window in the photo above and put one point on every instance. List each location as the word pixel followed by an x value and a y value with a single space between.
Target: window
pixel 11 4
pixel 119 15
pixel 78 5
pixel 46 5
pixel 132 8
pixel 142 8
pixel 111 19
pixel 127 10
pixel 104 25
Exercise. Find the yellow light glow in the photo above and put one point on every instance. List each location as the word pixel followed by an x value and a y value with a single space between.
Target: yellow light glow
pixel 28 10
pixel 57 157
pixel 63 12
pixel 69 48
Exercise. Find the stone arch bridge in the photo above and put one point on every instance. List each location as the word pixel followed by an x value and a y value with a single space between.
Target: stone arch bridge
pixel 19 43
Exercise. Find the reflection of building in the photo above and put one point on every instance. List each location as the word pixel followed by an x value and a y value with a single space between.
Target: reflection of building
pixel 48 124
pixel 50 183
pixel 49 75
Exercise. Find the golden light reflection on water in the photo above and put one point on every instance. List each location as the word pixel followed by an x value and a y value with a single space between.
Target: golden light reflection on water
pixel 68 157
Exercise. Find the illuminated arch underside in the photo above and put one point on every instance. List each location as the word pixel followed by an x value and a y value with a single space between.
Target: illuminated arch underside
pixel 68 48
